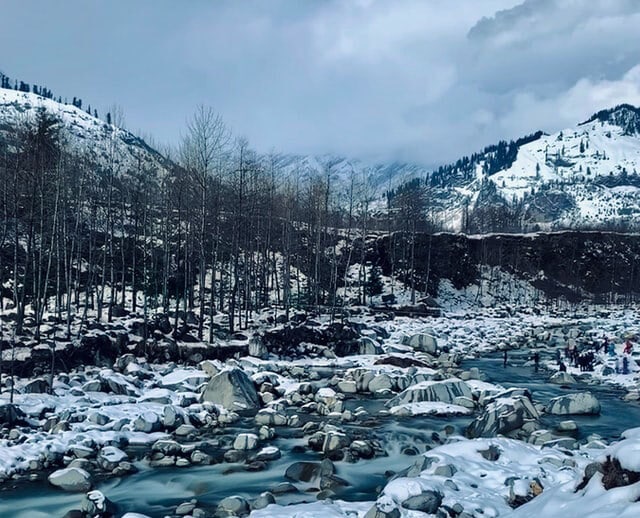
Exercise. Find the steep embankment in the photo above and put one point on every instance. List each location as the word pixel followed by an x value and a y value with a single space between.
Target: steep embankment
pixel 575 265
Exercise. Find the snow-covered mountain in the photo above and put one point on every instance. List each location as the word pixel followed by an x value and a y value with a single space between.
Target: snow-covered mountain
pixel 105 145
pixel 380 177
pixel 581 177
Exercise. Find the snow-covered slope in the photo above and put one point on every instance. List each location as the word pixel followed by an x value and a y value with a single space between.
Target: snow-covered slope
pixel 104 144
pixel 581 177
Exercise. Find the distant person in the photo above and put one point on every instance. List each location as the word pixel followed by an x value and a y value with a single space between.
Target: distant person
pixel 504 359
pixel 628 347
pixel 558 357
pixel 612 349
pixel 625 365
pixel 563 367
pixel 536 360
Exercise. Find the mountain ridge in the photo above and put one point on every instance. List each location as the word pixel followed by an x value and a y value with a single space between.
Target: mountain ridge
pixel 585 176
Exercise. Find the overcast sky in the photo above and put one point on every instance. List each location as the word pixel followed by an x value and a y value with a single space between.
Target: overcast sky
pixel 418 80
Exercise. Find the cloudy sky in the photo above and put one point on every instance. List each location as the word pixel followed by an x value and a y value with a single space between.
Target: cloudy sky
pixel 418 80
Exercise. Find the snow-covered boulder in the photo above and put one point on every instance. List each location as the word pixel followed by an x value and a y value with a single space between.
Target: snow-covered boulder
pixel 147 422
pixel 232 389
pixel 424 342
pixel 71 479
pixel 504 413
pixel 110 456
pixel 574 404
pixel 367 345
pixel 117 383
pixel 443 391
pixel 96 504
pixel 246 441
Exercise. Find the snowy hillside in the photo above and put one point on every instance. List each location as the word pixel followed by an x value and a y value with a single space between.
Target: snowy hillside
pixel 581 177
pixel 104 144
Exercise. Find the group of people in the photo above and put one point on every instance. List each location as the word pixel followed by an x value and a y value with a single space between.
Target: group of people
pixel 585 359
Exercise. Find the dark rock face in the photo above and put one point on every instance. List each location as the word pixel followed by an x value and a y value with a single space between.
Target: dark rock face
pixel 341 338
pixel 492 453
pixel 589 471
pixel 98 349
pixel 614 475
pixel 576 265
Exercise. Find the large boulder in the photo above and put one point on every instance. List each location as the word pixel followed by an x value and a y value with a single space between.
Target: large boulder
pixel 424 342
pixel 232 389
pixel 117 383
pixel 574 404
pixel 427 502
pixel 505 412
pixel 36 386
pixel 367 345
pixel 71 479
pixel 444 391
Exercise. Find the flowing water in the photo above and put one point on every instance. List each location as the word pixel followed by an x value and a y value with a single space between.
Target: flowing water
pixel 157 491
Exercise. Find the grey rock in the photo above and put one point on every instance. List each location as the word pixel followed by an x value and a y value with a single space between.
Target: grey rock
pixel 71 479
pixel 580 403
pixel 232 389
pixel 424 342
pixel 447 470
pixel 378 511
pixel 246 441
pixel 367 345
pixel 427 502
pixel 233 506
pixel 444 391
pixel 186 508
pixel 147 422
pixel 309 471
pixel 504 413
pixel 95 504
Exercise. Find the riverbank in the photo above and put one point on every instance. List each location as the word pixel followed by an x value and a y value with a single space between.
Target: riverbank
pixel 383 395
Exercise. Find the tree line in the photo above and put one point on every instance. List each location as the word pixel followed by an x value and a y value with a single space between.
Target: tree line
pixel 219 229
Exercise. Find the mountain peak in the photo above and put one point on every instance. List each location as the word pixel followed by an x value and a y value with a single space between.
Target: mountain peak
pixel 625 116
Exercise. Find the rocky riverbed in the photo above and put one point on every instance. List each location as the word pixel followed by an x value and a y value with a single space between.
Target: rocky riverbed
pixel 374 416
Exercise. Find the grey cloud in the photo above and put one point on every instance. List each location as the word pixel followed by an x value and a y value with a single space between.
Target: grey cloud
pixel 410 79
